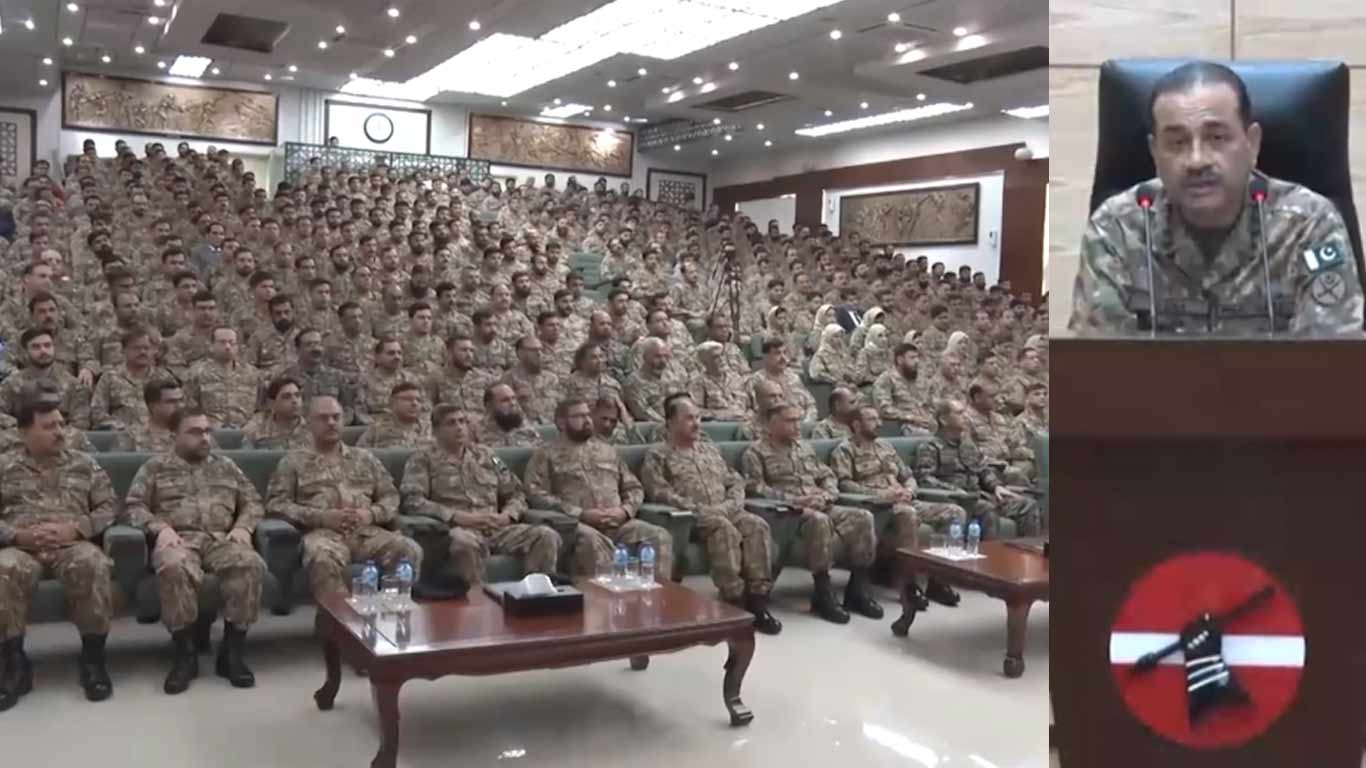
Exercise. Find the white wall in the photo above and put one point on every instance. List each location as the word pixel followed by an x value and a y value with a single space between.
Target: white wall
pixel 408 130
pixel 985 256
pixel 783 208
pixel 818 154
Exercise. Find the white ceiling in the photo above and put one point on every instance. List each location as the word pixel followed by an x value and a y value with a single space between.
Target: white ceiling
pixel 838 75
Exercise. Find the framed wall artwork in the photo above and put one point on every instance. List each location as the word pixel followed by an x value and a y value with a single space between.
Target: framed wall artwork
pixel 125 105
pixel 553 146
pixel 18 144
pixel 927 216
pixel 677 187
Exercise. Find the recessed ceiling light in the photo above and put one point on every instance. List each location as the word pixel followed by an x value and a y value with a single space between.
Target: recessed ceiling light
pixel 393 12
pixel 606 107
pixel 341 30
pixel 29 25
pixel 970 42
pixel 626 119
pixel 768 142
pixel 139 50
pixel 68 42
pixel 714 152
pixel 913 55
pixel 410 39
pixel 894 17
pixel 72 7
pixel 159 3
pixel 793 75
pixel 1028 113
pixel 863 105
pixel 677 148
pixel 352 76
pixel 697 81
pixel 716 121
pixel 642 71
pixel 293 67
pixel 42 83
pixel 835 34
pixel 505 103
pixel 959 31
pixel 268 76
pixel 665 89
pixel 558 102
pixel 828 113
pixel 734 65
pixel 47 62
pixel 886 118
pixel 901 47
pixel 707 88
pixel 154 20
pixel 106 58
pixel 216 71
pixel 920 97
pixel 322 45
pixel 475 25
pixel 568 110
pixel 675 96
pixel 759 127
pixel 161 65
pixel 389 53
pixel 728 137
pixel 611 83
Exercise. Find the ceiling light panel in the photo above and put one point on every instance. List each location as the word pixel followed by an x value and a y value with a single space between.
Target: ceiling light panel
pixel 886 118
pixel 566 110
pixel 190 66
pixel 1028 113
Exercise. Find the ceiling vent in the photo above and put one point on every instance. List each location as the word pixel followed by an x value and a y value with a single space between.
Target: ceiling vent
pixel 245 32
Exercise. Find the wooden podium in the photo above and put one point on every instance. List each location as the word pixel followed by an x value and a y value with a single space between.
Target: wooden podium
pixel 1256 448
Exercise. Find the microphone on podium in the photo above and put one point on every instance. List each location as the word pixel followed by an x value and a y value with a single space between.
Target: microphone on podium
pixel 1257 190
pixel 1144 196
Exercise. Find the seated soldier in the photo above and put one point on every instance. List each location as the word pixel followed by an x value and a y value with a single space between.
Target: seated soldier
pixel 221 385
pixel 192 342
pixel 342 499
pixel 200 509
pixel 990 431
pixel 720 329
pixel 11 439
pixel 899 397
pixel 717 390
pixel 590 380
pixel 163 398
pixel 280 425
pixel 688 472
pixel 609 428
pixel 106 343
pixel 423 352
pixel 766 395
pixel 316 379
pixel 951 460
pixel 403 426
pixel 779 466
pixel 843 404
pixel 271 349
pixel 350 351
pixel 459 383
pixel 557 349
pixel 503 425
pixel 585 479
pixel 1024 430
pixel 868 465
pixel 492 355
pixel 466 486
pixel 53 534
pixel 775 370
pixel 537 388
pixel 118 401
pixel 1031 371
pixel 646 389
pixel 38 347
pixel 386 372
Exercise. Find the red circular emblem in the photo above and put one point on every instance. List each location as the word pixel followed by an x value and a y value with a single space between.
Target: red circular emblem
pixel 1207 650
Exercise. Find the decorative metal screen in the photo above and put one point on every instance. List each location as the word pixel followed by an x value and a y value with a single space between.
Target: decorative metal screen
pixel 297 156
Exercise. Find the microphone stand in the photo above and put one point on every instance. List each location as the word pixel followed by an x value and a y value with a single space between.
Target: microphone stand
pixel 1145 202
pixel 1259 199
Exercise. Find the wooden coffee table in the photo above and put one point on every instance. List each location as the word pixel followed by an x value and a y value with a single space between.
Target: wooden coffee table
pixel 472 636
pixel 1008 573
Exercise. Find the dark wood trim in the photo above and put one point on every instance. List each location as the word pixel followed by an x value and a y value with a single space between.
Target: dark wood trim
pixel 33 135
pixel 275 127
pixel 327 121
pixel 976 211
pixel 1024 193
pixel 650 175
pixel 469 146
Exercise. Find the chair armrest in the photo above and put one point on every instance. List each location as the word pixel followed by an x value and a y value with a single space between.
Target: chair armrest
pixel 861 500
pixel 769 506
pixel 417 526
pixel 678 522
pixel 945 495
pixel 127 547
pixel 661 514
pixel 563 524
pixel 279 544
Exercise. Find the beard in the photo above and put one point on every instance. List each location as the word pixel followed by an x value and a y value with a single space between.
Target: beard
pixel 910 373
pixel 508 421
pixel 283 326
pixel 581 435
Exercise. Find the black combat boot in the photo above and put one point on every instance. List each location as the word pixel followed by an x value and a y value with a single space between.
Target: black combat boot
pixel 185 664
pixel 203 634
pixel 856 597
pixel 764 621
pixel 942 593
pixel 16 673
pixel 230 663
pixel 94 676
pixel 823 601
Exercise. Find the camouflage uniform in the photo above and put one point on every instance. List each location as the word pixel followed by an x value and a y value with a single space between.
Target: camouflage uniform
pixel 118 402
pixel 463 390
pixel 10 439
pixel 144 437
pixel 538 394
pixel 785 472
pixel 386 431
pixel 187 347
pixel 1020 441
pixel 720 398
pixel 202 503
pixel 829 429
pixel 350 354
pixel 739 543
pixel 72 490
pixel 944 463
pixel 75 403
pixel 794 391
pixel 424 355
pixel 1012 395
pixel 227 395
pixel 645 393
pixel 1315 286
pixel 307 483
pixel 270 351
pixel 991 434
pixel 263 433
pixel 873 467
pixel 324 382
pixel 384 324
pixel 106 349
pixel 440 484
pixel 375 389
pixel 570 477
pixel 578 386
pixel 489 434
pixel 511 326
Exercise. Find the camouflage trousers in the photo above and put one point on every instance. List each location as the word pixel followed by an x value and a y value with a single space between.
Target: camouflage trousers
pixel 853 527
pixel 739 548
pixel 84 571
pixel 593 548
pixel 180 571
pixel 538 546
pixel 907 519
pixel 1019 473
pixel 1025 513
pixel 327 553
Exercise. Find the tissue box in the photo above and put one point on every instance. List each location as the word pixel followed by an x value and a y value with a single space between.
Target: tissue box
pixel 516 602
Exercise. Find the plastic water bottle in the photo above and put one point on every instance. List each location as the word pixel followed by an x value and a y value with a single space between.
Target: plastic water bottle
pixel 974 537
pixel 404 571
pixel 369 596
pixel 647 565
pixel 619 559
pixel 956 537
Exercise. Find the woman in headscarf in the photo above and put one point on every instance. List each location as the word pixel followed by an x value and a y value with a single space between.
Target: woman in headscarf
pixel 961 350
pixel 825 315
pixel 876 354
pixel 874 316
pixel 831 363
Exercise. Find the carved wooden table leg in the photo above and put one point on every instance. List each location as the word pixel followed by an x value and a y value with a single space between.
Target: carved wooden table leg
pixel 741 651
pixel 639 663
pixel 385 695
pixel 327 694
pixel 1017 617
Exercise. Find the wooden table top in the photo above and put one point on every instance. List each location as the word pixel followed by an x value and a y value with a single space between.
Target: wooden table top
pixel 478 622
pixel 1004 568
